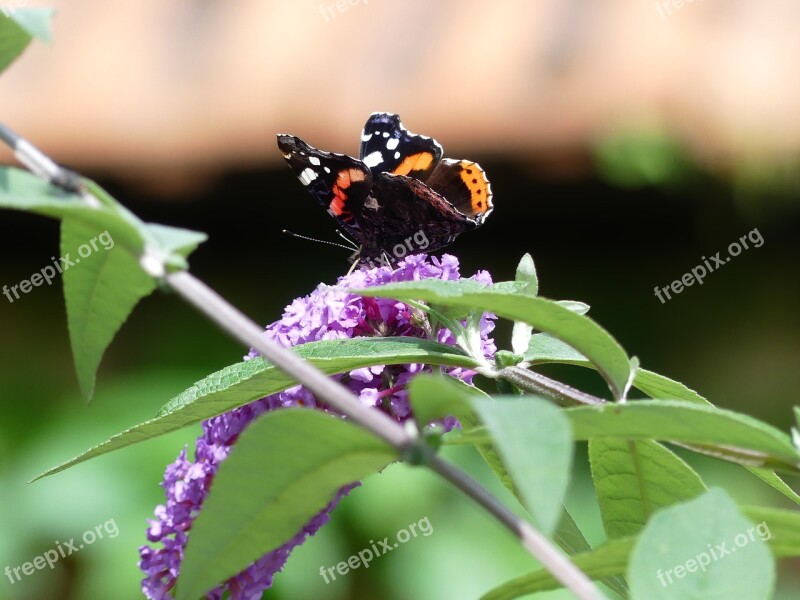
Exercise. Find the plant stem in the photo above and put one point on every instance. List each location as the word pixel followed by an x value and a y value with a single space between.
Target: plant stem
pixel 560 393
pixel 246 331
pixel 236 324
pixel 534 542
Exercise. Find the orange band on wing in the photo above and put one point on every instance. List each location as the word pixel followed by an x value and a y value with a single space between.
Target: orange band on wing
pixel 344 179
pixel 339 199
pixel 477 183
pixel 414 162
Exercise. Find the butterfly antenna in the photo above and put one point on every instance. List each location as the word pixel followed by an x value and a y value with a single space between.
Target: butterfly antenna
pixel 352 244
pixel 310 239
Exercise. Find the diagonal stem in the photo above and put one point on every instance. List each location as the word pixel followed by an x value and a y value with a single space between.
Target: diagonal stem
pixel 336 395
pixel 237 325
pixel 536 383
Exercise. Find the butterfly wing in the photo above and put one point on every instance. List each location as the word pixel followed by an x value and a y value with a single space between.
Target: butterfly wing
pixel 465 186
pixel 340 183
pixel 405 216
pixel 387 146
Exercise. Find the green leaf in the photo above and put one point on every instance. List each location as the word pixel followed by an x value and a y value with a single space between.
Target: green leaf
pixel 101 286
pixel 569 536
pixel 250 380
pixel 533 440
pixel 657 386
pixel 605 561
pixel 101 289
pixel 724 434
pixel 284 469
pixel 634 479
pixel 175 240
pixel 578 331
pixel 434 397
pixel 723 431
pixel 571 539
pixel 520 336
pixel 36 21
pixel 20 190
pixel 544 348
pixel 521 332
pixel 526 272
pixel 779 528
pixel 684 553
pixel 773 480
pixel 579 307
pixel 18 26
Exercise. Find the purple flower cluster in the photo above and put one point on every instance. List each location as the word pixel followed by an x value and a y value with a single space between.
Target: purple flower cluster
pixel 327 313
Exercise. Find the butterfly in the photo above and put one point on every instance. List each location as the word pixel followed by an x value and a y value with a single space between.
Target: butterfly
pixel 400 196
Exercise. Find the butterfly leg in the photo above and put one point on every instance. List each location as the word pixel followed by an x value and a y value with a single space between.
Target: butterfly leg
pixel 356 259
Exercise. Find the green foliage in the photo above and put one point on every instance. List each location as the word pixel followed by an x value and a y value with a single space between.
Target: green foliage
pixel 102 287
pixel 739 436
pixel 286 466
pixel 246 381
pixel 533 439
pixel 18 28
pixel 521 333
pixel 612 558
pixel 635 478
pixel 577 330
pixel 284 469
pixel 701 549
pixel 100 295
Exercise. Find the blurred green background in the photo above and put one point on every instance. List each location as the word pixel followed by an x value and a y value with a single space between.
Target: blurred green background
pixel 617 209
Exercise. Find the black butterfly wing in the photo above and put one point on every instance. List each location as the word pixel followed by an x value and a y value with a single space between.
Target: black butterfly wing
pixel 340 183
pixel 388 147
pixel 405 216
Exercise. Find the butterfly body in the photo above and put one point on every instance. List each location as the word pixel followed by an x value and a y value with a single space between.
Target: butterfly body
pixel 400 196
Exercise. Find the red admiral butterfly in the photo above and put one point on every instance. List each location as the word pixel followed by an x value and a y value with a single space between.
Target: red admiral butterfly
pixel 400 197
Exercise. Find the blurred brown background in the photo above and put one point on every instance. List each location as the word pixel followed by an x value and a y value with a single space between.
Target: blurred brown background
pixel 624 140
pixel 197 86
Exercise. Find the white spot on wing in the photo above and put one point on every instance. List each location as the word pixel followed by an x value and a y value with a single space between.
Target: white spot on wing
pixel 374 159
pixel 327 170
pixel 392 144
pixel 385 134
pixel 313 160
pixel 397 155
pixel 307 176
pixel 365 137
